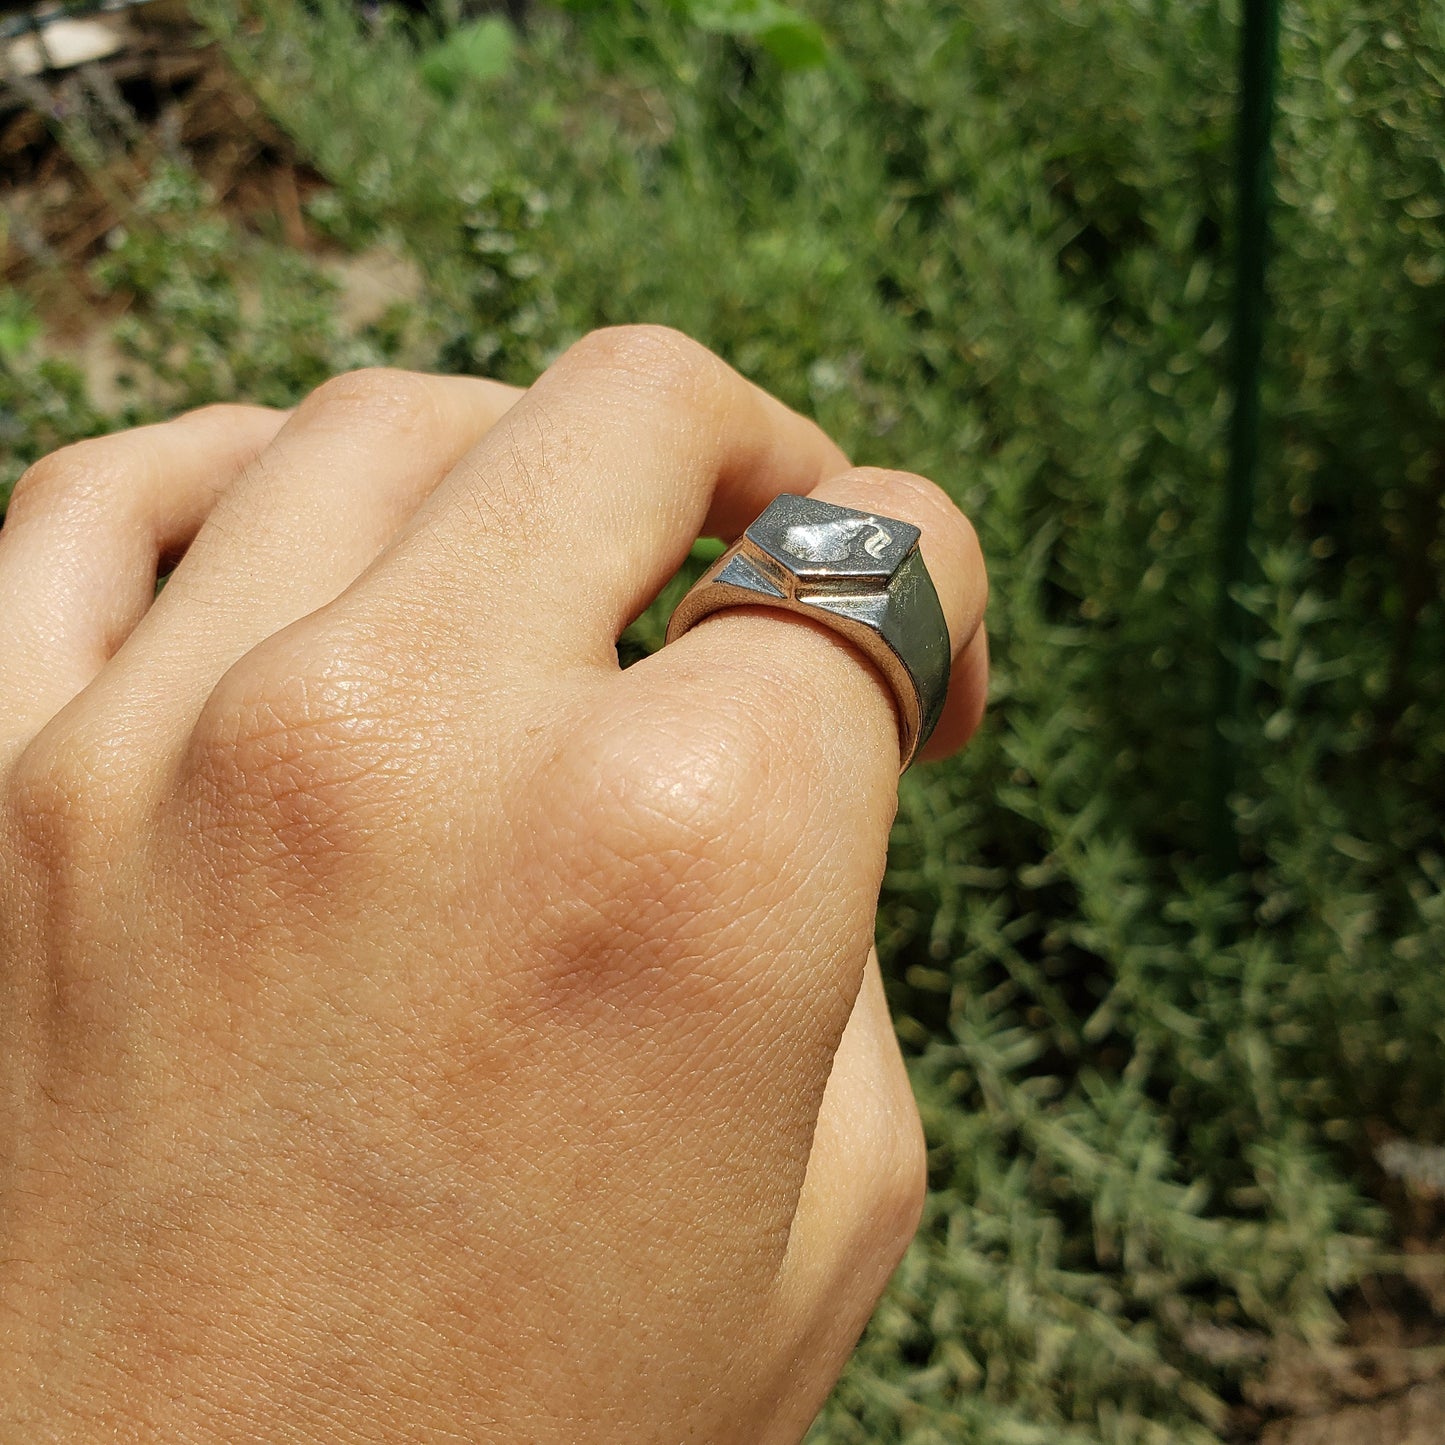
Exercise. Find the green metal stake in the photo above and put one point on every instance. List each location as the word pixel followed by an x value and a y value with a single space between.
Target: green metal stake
pixel 1258 61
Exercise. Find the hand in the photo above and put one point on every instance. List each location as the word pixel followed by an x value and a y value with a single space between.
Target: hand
pixel 413 1027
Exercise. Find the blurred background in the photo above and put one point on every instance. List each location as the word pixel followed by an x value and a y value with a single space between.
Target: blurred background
pixel 1167 947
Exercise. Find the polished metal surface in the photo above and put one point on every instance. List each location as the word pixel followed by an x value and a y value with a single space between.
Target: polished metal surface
pixel 861 575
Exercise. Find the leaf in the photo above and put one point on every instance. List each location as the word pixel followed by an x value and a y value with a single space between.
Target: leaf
pixel 472 53
pixel 18 326
pixel 795 44
pixel 793 40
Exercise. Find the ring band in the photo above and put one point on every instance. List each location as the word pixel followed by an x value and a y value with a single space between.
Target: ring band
pixel 860 575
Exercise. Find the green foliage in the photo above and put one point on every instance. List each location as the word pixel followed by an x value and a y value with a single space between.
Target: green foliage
pixel 990 243
pixel 788 37
pixel 19 326
pixel 216 317
pixel 43 403
pixel 471 53
pixel 793 40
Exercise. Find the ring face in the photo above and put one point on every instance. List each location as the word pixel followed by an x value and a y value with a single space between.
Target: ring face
pixel 858 573
pixel 816 544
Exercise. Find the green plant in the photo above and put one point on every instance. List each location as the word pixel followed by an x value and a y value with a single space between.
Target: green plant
pixel 43 403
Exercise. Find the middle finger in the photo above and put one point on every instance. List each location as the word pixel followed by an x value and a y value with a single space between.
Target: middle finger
pixel 310 514
pixel 575 511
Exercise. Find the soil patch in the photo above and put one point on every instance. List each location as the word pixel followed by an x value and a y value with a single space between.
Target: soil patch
pixel 78 143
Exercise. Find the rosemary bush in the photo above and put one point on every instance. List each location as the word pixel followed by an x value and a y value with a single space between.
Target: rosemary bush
pixel 990 242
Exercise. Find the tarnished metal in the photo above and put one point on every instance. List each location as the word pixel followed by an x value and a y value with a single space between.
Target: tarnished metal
pixel 861 575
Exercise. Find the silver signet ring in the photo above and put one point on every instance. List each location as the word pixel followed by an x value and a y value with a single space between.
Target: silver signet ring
pixel 861 575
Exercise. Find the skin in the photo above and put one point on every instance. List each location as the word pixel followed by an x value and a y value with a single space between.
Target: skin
pixel 412 1027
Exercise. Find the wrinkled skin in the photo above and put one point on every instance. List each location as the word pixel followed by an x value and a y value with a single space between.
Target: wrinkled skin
pixel 412 1027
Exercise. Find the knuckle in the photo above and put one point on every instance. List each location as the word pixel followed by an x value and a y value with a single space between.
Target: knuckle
pixel 658 359
pixel 382 397
pixel 302 760
pixel 647 870
pixel 73 477
pixel 222 412
pixel 674 795
pixel 889 485
pixel 65 795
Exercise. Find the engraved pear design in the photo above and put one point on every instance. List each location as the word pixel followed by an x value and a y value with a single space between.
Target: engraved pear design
pixel 834 541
